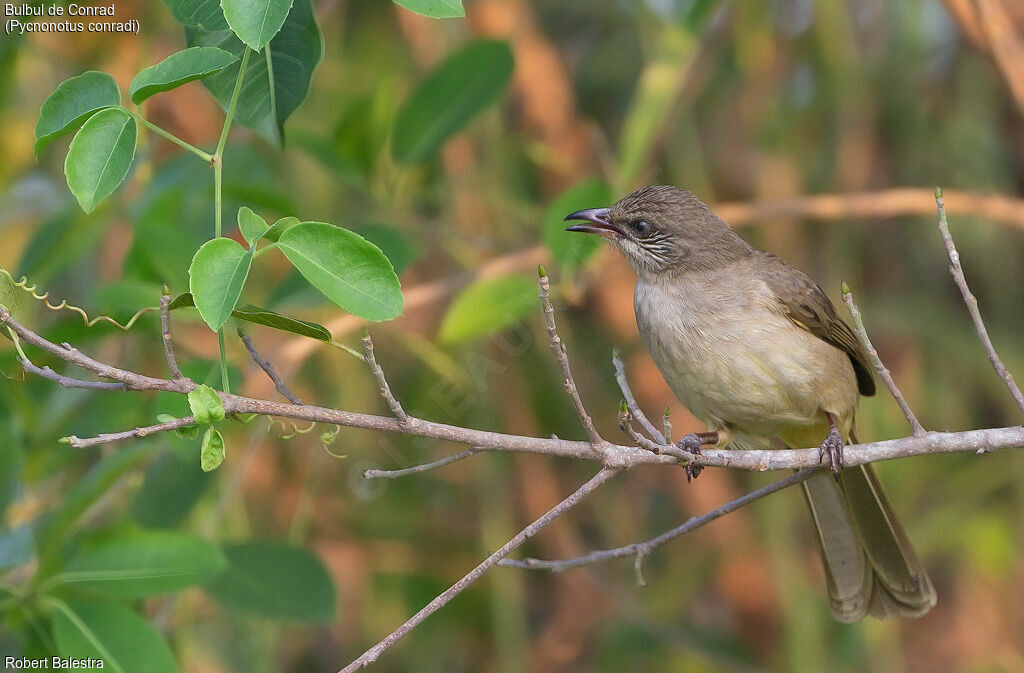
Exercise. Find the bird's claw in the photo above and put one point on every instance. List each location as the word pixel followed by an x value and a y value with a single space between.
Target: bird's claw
pixel 833 448
pixel 691 444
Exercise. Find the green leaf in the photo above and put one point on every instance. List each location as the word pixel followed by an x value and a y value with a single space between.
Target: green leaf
pixel 488 306
pixel 125 642
pixel 569 249
pixel 204 14
pixel 263 316
pixel 255 22
pixel 279 227
pixel 144 563
pixel 10 297
pixel 274 85
pixel 435 9
pixel 346 268
pixel 274 580
pixel 187 432
pixel 179 68
pixel 252 226
pixel 206 405
pixel 74 101
pixel 268 318
pixel 216 278
pixel 100 155
pixel 463 85
pixel 211 455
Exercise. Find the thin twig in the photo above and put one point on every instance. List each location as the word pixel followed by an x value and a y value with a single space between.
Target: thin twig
pixel 82 443
pixel 666 424
pixel 382 382
pixel 634 408
pixel 65 381
pixel 972 303
pixel 642 549
pixel 74 356
pixel 268 368
pixel 558 348
pixel 876 361
pixel 165 333
pixel 444 598
pixel 418 469
pixel 626 425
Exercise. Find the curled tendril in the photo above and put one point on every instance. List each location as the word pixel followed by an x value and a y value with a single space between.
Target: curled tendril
pixel 285 432
pixel 327 438
pixel 23 284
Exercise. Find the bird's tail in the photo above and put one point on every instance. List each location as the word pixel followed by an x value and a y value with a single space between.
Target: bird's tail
pixel 870 566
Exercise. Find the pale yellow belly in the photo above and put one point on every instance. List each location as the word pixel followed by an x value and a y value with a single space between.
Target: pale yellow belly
pixel 747 368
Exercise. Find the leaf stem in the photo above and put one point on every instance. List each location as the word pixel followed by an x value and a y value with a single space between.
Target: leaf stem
pixel 224 383
pixel 170 136
pixel 263 250
pixel 218 179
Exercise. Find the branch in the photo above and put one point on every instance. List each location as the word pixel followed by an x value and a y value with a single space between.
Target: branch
pixel 657 448
pixel 883 371
pixel 558 348
pixel 65 381
pixel 473 575
pixel 68 353
pixel 80 443
pixel 165 333
pixel 641 549
pixel 611 455
pixel 627 393
pixel 268 368
pixel 972 303
pixel 382 382
pixel 419 469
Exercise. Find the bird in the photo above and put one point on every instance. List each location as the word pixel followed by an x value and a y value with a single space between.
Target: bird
pixel 754 348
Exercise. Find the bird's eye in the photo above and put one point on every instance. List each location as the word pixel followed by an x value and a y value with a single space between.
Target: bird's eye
pixel 641 228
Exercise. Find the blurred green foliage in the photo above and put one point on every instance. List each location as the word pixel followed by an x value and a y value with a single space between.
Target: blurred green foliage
pixel 736 101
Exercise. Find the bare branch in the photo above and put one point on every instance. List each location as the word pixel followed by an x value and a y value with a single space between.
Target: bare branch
pixel 473 575
pixel 268 368
pixel 165 333
pixel 876 361
pixel 67 382
pixel 634 408
pixel 666 424
pixel 80 443
pixel 70 354
pixel 626 425
pixel 419 469
pixel 558 347
pixel 382 382
pixel 641 549
pixel 972 303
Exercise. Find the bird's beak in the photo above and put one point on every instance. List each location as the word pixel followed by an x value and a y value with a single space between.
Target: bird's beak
pixel 597 222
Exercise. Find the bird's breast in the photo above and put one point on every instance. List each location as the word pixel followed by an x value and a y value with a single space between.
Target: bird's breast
pixel 734 359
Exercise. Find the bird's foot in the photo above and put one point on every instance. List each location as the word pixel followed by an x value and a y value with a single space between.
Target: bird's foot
pixel 833 448
pixel 691 443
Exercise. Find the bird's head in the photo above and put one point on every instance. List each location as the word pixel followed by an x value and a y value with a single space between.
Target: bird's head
pixel 662 228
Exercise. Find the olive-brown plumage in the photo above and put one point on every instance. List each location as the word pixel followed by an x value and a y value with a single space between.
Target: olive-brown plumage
pixel 755 349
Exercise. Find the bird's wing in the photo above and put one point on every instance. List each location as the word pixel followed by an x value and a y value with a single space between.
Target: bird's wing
pixel 807 305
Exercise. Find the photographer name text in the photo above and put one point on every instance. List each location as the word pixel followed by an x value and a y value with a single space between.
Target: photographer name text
pixel 71 18
pixel 51 663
